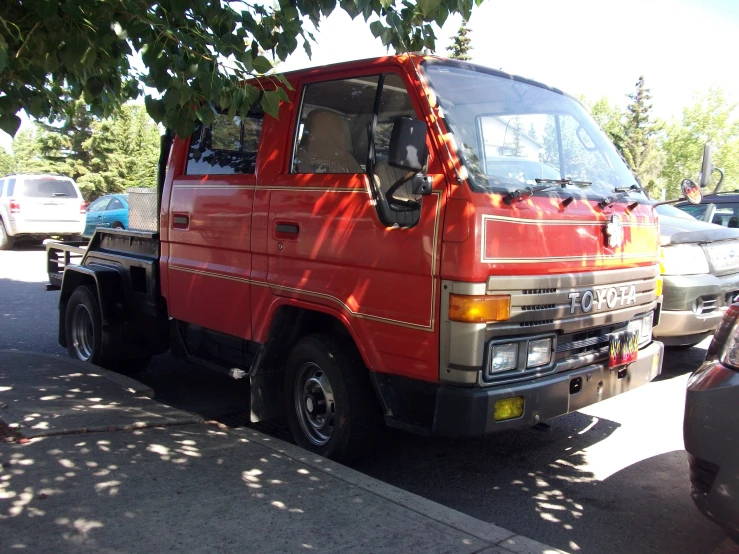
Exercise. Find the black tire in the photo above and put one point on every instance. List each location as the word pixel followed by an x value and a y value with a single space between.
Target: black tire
pixel 84 333
pixel 6 241
pixel 354 408
pixel 682 347
pixel 118 225
pixel 83 326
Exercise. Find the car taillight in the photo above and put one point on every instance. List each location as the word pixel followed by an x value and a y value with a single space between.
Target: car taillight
pixel 83 207
pixel 14 206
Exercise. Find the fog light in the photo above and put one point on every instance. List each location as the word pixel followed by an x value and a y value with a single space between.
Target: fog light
pixel 505 357
pixel 540 352
pixel 508 408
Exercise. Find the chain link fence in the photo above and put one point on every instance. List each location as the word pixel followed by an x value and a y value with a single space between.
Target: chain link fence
pixel 142 213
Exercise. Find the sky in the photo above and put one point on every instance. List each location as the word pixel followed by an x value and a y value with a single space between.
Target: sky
pixel 591 47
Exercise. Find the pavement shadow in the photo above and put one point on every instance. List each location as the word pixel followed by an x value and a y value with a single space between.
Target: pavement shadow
pixel 28 317
pixel 194 488
pixel 679 361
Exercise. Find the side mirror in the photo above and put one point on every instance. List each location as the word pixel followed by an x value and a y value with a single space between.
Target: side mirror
pixel 706 166
pixel 691 191
pixel 407 149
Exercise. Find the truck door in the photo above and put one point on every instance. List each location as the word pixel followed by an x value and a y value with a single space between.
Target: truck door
pixel 210 214
pixel 332 239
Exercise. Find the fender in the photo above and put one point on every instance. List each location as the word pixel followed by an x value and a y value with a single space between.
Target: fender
pixel 109 285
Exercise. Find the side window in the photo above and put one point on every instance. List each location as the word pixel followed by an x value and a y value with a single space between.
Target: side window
pixel 11 187
pixel 227 146
pixel 115 204
pixel 2 188
pixel 98 205
pixel 333 128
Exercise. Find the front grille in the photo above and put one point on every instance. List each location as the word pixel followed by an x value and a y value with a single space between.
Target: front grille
pixel 702 474
pixel 572 302
pixel 586 342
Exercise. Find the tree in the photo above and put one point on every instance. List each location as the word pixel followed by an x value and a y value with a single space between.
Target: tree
pixel 639 145
pixel 7 162
pixel 460 48
pixel 197 53
pixel 610 119
pixel 710 119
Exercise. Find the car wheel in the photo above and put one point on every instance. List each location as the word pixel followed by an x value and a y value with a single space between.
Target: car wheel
pixel 118 225
pixel 329 400
pixel 6 241
pixel 83 326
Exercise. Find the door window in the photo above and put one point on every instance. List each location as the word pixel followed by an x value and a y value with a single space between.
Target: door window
pixel 340 120
pixel 115 204
pixel 227 146
pixel 98 205
pixel 332 134
pixel 11 187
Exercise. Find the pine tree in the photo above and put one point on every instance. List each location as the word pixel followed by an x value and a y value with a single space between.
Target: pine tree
pixel 639 145
pixel 460 48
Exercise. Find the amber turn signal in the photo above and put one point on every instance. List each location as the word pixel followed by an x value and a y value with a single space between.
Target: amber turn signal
pixel 479 309
pixel 658 286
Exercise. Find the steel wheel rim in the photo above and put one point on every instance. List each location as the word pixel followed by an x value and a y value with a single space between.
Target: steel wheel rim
pixel 314 404
pixel 83 334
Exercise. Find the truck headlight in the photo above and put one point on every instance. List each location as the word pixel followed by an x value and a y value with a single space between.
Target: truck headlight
pixel 683 259
pixel 505 357
pixel 539 352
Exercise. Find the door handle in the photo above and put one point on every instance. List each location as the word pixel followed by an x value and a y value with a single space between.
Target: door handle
pixel 287 229
pixel 180 221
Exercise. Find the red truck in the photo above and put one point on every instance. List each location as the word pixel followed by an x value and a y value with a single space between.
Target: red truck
pixel 420 241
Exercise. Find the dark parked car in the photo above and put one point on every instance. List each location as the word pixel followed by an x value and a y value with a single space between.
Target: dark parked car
pixel 721 209
pixel 711 428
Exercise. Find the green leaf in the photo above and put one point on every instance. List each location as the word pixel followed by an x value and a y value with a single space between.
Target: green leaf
pixel 9 122
pixel 3 58
pixel 386 3
pixel 261 64
pixel 155 108
pixel 376 28
pixel 271 101
pixel 206 114
pixel 281 78
pixel 248 95
pixel 428 6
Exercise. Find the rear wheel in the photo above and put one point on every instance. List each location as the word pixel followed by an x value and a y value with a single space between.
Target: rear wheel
pixel 118 225
pixel 83 327
pixel 6 241
pixel 330 404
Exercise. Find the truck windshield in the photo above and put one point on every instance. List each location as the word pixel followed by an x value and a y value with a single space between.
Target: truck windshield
pixel 509 133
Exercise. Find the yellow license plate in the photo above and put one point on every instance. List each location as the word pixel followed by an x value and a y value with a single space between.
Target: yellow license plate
pixel 624 348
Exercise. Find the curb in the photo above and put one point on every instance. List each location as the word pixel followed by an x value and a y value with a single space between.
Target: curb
pixel 495 536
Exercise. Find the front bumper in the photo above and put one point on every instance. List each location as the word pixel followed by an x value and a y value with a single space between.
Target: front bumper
pixel 711 432
pixel 467 412
pixel 686 327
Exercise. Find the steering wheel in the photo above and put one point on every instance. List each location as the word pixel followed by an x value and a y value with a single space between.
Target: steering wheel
pixel 396 204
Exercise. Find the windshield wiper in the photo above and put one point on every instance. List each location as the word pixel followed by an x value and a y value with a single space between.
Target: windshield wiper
pixel 564 182
pixel 622 194
pixel 542 184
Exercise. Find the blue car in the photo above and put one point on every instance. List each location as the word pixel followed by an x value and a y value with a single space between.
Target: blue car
pixel 110 211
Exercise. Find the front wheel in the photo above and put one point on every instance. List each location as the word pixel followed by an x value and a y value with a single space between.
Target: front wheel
pixel 330 404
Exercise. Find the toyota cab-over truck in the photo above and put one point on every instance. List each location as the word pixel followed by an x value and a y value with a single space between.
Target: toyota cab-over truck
pixel 425 242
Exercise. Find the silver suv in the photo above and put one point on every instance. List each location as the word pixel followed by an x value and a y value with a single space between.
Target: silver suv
pixel 38 207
